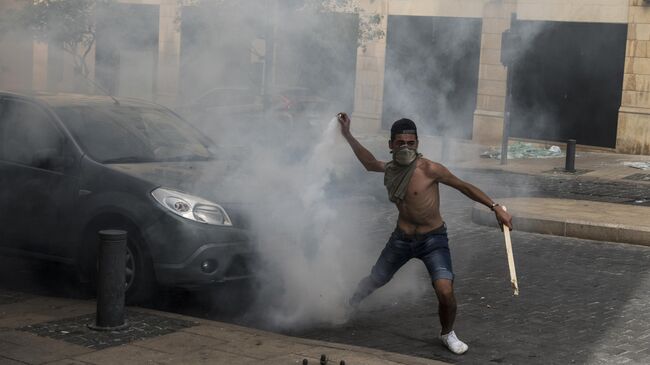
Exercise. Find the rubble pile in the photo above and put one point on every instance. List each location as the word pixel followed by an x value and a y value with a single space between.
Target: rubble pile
pixel 638 165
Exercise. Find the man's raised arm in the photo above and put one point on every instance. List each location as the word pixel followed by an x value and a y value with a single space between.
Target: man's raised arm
pixel 366 158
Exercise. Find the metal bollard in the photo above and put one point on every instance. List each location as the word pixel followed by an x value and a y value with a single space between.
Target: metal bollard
pixel 570 165
pixel 110 283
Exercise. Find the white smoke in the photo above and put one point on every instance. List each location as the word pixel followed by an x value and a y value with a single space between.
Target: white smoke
pixel 313 239
pixel 304 278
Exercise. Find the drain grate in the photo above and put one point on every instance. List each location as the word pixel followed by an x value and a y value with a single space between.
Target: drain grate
pixel 75 330
pixel 638 177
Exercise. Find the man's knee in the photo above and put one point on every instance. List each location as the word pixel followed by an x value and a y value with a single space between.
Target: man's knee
pixel 379 279
pixel 371 283
pixel 444 291
pixel 366 286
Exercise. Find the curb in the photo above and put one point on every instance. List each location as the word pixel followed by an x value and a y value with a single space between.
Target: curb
pixel 585 229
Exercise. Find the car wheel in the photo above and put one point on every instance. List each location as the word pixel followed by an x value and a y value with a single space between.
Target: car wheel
pixel 140 282
pixel 139 278
pixel 130 270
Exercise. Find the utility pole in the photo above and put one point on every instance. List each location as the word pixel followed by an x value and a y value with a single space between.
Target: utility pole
pixel 509 45
pixel 269 53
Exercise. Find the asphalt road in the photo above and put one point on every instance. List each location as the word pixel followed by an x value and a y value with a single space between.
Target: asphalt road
pixel 581 302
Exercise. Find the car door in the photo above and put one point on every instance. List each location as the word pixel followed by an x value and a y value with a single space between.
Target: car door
pixel 37 169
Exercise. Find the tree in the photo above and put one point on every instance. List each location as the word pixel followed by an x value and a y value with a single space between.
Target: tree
pixel 68 24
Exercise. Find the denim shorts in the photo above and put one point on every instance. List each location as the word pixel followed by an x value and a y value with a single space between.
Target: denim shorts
pixel 431 247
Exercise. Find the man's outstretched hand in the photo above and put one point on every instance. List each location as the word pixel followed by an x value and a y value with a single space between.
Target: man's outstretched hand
pixel 503 217
pixel 344 121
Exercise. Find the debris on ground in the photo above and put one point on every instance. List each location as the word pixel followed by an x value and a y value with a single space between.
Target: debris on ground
pixel 523 150
pixel 638 165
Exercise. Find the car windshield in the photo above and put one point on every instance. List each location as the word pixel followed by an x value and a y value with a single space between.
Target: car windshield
pixel 124 134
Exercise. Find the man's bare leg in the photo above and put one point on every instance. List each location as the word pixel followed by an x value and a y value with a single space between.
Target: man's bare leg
pixel 447 312
pixel 446 304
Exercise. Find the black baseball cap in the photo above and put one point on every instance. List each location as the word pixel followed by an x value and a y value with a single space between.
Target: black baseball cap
pixel 403 126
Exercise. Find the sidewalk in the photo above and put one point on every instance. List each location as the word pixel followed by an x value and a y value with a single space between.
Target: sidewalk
pixel 592 220
pixel 45 330
pixel 589 165
pixel 574 218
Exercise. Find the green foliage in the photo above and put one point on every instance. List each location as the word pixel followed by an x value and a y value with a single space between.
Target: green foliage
pixel 69 24
pixel 369 28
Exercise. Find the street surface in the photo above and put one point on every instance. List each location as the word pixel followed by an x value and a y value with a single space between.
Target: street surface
pixel 581 302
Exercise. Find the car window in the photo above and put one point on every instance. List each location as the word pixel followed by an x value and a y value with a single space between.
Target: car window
pixel 28 135
pixel 227 97
pixel 119 133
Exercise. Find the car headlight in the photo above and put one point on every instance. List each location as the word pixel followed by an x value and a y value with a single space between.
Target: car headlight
pixel 192 207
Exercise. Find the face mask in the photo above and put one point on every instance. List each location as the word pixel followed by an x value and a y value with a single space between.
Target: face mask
pixel 404 155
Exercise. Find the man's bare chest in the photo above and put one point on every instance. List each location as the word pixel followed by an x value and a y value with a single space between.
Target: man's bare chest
pixel 421 186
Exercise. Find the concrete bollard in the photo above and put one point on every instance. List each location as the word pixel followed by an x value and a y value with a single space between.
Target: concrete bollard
pixel 570 165
pixel 110 282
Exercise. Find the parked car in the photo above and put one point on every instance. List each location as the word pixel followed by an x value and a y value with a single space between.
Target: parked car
pixel 71 165
pixel 301 103
pixel 243 109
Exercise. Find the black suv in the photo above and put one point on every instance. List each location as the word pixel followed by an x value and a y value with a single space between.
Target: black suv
pixel 71 165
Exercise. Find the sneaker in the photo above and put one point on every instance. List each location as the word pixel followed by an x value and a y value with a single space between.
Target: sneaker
pixel 454 345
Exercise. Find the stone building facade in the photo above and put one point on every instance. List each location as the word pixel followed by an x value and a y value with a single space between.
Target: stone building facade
pixel 632 122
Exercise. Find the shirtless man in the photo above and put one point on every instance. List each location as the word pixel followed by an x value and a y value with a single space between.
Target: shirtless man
pixel 412 183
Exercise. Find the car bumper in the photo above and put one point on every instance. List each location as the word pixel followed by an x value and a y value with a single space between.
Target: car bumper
pixel 209 264
pixel 189 254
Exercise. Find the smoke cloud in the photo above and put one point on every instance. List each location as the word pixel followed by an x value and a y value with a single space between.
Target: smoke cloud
pixel 312 213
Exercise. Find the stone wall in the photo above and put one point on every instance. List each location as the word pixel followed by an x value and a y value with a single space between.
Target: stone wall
pixel 490 102
pixel 590 11
pixel 169 51
pixel 16 66
pixel 369 84
pixel 633 134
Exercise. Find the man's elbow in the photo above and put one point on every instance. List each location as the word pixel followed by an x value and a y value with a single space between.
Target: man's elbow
pixel 368 165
